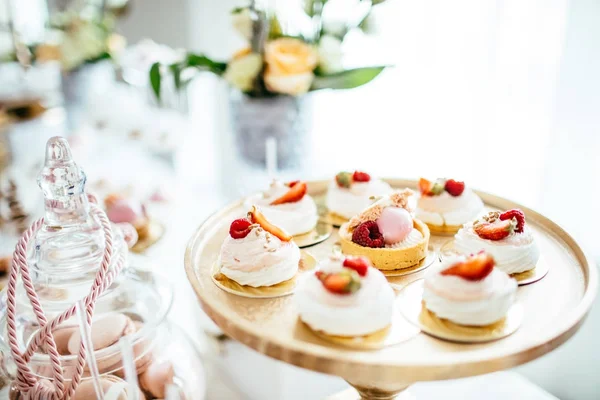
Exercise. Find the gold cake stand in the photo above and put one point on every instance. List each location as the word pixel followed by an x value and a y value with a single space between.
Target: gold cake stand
pixel 554 307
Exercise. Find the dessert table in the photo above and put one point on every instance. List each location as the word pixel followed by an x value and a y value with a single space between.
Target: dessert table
pixel 534 101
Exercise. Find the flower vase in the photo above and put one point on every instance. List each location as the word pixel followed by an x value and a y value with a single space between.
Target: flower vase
pixel 256 119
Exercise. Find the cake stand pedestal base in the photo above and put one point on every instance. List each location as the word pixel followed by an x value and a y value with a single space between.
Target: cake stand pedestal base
pixel 362 393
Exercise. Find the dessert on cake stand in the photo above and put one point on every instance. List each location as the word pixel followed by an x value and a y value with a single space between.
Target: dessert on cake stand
pixel 554 309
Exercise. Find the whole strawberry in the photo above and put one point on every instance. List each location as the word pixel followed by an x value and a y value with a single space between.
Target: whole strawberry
pixel 360 176
pixel 454 188
pixel 359 264
pixel 367 234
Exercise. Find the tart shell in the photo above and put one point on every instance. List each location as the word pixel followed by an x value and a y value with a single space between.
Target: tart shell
pixel 386 258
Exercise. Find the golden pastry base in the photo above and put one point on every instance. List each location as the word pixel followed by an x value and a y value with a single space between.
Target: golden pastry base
pixel 444 230
pixel 153 233
pixel 414 310
pixel 554 308
pixel 523 278
pixel 307 263
pixel 387 259
pixel 319 234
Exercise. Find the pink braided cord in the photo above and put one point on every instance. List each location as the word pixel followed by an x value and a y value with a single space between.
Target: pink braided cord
pixel 26 381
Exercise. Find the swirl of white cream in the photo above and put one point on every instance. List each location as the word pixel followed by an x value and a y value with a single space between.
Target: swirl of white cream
pixel 347 202
pixel 514 254
pixel 445 209
pixel 467 302
pixel 259 259
pixel 365 311
pixel 295 218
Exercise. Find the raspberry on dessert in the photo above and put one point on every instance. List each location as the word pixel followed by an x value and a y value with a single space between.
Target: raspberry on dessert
pixel 344 179
pixel 497 230
pixel 257 217
pixel 360 264
pixel 454 188
pixel 343 282
pixel 518 215
pixel 474 268
pixel 296 193
pixel 367 234
pixel 240 228
pixel 360 176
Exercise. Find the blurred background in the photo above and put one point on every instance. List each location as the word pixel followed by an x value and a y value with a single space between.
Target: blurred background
pixel 504 94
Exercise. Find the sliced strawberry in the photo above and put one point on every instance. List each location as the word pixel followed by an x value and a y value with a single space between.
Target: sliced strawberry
pixel 518 215
pixel 359 264
pixel 240 228
pixel 296 193
pixel 344 179
pixel 344 282
pixel 257 217
pixel 360 176
pixel 494 231
pixel 454 188
pixel 474 268
pixel 425 186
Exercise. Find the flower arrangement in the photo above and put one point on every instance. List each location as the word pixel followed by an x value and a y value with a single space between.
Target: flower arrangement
pixel 273 62
pixel 79 39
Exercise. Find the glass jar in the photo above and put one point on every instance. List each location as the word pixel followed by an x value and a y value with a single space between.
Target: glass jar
pixel 64 257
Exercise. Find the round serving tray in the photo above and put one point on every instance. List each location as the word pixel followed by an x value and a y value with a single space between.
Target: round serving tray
pixel 554 308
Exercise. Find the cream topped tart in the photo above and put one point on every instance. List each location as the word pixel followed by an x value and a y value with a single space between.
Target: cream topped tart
pixel 469 290
pixel 288 206
pixel 346 296
pixel 505 236
pixel 446 204
pixel 257 253
pixel 387 234
pixel 351 192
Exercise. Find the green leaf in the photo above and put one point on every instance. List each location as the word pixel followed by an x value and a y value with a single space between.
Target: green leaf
pixel 155 79
pixel 347 79
pixel 201 61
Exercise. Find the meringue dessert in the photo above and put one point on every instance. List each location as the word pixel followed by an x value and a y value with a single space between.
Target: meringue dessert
pixel 257 253
pixel 288 206
pixel 469 290
pixel 346 297
pixel 505 236
pixel 387 234
pixel 350 193
pixel 120 209
pixel 446 204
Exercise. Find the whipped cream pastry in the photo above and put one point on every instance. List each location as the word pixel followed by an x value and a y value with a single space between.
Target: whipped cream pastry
pixel 447 202
pixel 482 297
pixel 287 207
pixel 360 305
pixel 514 249
pixel 253 256
pixel 347 196
pixel 446 209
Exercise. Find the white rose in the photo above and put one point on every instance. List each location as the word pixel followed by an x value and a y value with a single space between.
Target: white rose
pixel 243 70
pixel 330 54
pixel 242 22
